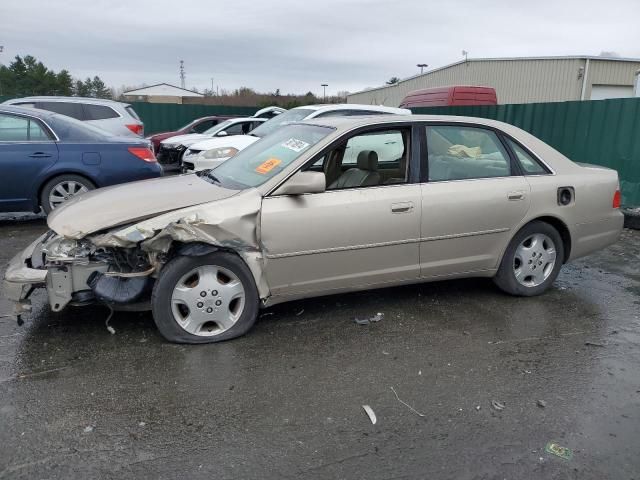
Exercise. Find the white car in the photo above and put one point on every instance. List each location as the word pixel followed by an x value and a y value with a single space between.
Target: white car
pixel 211 153
pixel 114 117
pixel 170 152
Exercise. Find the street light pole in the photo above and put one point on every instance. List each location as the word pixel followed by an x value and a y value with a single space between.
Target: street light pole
pixel 422 67
pixel 324 91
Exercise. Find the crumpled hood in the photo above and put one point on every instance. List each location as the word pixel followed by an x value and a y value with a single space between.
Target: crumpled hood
pixel 185 140
pixel 131 202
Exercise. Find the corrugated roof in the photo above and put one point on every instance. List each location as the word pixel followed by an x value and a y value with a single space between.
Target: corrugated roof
pixel 505 59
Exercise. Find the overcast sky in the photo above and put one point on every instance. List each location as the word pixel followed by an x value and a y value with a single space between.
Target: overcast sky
pixel 295 45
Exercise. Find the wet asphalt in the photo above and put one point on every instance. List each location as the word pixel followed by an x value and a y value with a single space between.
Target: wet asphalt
pixel 286 400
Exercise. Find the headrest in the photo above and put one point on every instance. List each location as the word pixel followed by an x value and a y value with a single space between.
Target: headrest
pixel 368 160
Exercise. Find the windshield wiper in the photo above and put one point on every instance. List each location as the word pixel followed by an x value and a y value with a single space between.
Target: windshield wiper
pixel 213 177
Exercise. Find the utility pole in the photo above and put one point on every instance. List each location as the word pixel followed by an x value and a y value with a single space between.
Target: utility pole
pixel 324 91
pixel 422 67
pixel 183 77
pixel 465 54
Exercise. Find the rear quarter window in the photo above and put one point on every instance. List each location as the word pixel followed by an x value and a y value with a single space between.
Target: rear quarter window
pixel 98 112
pixel 132 112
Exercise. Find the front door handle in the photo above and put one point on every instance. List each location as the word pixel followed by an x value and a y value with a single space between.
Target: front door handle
pixel 402 207
pixel 515 196
pixel 40 155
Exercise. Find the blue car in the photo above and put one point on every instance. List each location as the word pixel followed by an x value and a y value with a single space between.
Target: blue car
pixel 46 158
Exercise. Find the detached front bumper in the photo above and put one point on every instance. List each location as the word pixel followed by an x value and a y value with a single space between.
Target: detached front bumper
pixel 21 278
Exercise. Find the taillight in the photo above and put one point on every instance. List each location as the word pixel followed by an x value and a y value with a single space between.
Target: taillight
pixel 143 153
pixel 617 199
pixel 136 128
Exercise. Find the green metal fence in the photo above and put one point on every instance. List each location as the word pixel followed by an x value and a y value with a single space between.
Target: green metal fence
pixel 162 117
pixel 602 132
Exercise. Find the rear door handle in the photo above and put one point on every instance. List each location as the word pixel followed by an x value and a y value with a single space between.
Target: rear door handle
pixel 515 196
pixel 40 155
pixel 402 207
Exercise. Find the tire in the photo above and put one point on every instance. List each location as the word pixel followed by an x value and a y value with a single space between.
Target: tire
pixel 58 186
pixel 526 268
pixel 196 299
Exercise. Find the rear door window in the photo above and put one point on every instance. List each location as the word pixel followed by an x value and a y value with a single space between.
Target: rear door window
pixel 73 110
pixel 98 112
pixel 19 129
pixel 461 152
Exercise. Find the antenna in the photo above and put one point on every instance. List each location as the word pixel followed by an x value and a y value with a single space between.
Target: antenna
pixel 465 54
pixel 182 74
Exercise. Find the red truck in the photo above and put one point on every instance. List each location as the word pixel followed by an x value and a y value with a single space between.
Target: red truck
pixel 450 96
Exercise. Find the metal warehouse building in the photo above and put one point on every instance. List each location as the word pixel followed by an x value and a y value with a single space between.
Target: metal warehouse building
pixel 521 80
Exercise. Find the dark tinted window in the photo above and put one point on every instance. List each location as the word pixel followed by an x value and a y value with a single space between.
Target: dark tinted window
pixel 98 112
pixel 73 110
pixel 205 125
pixel 19 129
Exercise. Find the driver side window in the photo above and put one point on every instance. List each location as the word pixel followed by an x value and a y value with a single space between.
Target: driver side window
pixel 369 159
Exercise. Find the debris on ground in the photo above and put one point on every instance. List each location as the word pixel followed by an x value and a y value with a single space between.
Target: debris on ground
pixel 406 404
pixel 559 451
pixel 266 314
pixel 370 413
pixel 497 405
pixel 366 321
pixel 478 407
pixel 594 344
pixel 300 313
pixel 141 424
pixel 88 429
pixel 541 403
pixel 111 330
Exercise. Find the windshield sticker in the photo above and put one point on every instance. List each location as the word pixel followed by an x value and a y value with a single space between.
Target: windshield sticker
pixel 295 145
pixel 268 165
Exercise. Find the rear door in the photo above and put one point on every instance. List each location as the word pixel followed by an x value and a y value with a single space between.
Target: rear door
pixel 27 151
pixel 473 195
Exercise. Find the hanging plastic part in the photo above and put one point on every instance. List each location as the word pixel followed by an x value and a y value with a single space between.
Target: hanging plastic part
pixel 118 290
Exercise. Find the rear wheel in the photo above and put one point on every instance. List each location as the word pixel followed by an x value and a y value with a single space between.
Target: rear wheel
pixel 203 299
pixel 60 189
pixel 532 261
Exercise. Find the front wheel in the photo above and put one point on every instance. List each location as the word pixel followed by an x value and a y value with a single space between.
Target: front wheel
pixel 204 299
pixel 532 260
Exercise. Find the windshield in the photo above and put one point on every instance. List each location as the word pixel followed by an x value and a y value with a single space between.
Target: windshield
pixel 266 158
pixel 218 127
pixel 291 116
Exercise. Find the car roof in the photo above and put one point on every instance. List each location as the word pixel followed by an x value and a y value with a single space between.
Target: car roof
pixel 33 112
pixel 348 123
pixel 353 106
pixel 99 101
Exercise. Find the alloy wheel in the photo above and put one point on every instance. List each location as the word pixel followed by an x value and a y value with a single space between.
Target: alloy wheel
pixel 534 260
pixel 208 300
pixel 63 191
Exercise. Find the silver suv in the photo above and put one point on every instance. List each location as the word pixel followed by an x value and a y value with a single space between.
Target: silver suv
pixel 114 117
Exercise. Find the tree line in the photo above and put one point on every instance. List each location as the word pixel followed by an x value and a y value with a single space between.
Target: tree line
pixel 26 76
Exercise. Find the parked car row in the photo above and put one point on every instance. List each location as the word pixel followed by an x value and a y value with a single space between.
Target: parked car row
pixel 212 152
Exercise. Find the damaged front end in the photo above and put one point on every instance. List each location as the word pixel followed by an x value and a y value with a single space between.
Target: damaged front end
pixel 118 266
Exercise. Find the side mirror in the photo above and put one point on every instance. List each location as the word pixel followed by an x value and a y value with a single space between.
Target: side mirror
pixel 221 133
pixel 303 182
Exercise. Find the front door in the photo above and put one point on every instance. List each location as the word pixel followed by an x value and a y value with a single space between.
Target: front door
pixel 26 151
pixel 473 199
pixel 362 231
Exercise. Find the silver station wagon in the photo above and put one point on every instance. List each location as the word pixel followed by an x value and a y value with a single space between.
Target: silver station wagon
pixel 323 207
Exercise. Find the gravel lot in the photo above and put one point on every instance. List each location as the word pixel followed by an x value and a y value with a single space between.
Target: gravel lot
pixel 286 400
